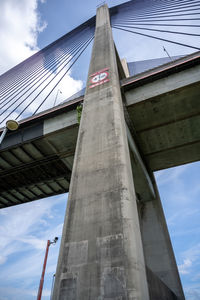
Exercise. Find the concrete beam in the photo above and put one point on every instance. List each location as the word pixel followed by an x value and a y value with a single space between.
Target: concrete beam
pixel 165 114
pixel 137 155
pixel 125 67
pixel 162 86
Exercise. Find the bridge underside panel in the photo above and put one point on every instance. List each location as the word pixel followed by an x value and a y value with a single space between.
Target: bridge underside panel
pixel 37 163
pixel 166 118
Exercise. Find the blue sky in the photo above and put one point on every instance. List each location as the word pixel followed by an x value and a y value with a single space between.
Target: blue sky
pixel 27 26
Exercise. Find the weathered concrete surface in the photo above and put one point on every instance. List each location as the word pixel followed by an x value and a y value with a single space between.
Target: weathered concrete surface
pixel 158 251
pixel 159 255
pixel 166 116
pixel 36 161
pixel 101 255
pixel 157 246
pixel 125 67
pixel 157 289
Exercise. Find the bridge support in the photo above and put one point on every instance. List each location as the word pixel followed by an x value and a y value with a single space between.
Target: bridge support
pixel 158 251
pixel 101 254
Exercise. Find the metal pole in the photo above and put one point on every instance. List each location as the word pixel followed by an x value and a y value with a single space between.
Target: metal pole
pixel 168 54
pixel 43 272
pixel 57 97
pixel 3 135
pixel 52 285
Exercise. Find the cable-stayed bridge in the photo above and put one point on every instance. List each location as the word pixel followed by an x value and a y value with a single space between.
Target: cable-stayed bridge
pixel 27 88
pixel 37 160
pixel 156 112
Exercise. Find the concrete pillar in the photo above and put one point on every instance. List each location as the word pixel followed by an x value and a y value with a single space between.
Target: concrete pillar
pixel 101 254
pixel 159 255
pixel 158 251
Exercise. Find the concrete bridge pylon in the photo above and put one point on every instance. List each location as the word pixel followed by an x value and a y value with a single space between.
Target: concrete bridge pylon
pixel 115 244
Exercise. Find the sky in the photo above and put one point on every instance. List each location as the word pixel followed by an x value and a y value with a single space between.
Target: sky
pixel 26 27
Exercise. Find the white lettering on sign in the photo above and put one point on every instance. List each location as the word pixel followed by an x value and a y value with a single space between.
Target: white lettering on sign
pixel 99 78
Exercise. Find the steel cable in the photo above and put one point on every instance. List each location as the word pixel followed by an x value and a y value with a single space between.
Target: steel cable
pixel 44 72
pixel 41 90
pixel 150 15
pixel 161 39
pixel 35 71
pixel 36 58
pixel 62 76
pixel 29 74
pixel 168 20
pixel 159 30
pixel 163 16
pixel 156 10
pixel 43 81
pixel 170 25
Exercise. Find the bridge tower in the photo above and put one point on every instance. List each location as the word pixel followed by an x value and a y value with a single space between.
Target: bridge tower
pixel 115 242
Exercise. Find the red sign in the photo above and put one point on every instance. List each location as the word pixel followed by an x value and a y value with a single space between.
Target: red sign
pixel 99 78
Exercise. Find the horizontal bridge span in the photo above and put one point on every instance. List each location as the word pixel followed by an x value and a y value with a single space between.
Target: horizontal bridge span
pixel 164 110
pixel 164 107
pixel 36 161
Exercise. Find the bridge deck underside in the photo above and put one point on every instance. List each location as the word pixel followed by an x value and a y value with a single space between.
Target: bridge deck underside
pixel 38 167
pixel 36 161
pixel 167 127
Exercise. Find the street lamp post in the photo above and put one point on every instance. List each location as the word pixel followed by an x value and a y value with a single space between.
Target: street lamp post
pixel 52 285
pixel 44 267
pixel 10 125
pixel 58 91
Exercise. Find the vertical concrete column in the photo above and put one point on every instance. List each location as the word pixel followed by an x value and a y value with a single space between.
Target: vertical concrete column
pixel 101 254
pixel 159 255
pixel 158 251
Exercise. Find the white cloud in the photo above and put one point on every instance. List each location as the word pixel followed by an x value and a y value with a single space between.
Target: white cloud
pixel 2 259
pixel 183 214
pixel 66 87
pixel 184 268
pixel 193 252
pixel 192 291
pixel 170 175
pixel 190 259
pixel 18 229
pixel 20 293
pixel 24 231
pixel 43 1
pixel 179 189
pixel 20 24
